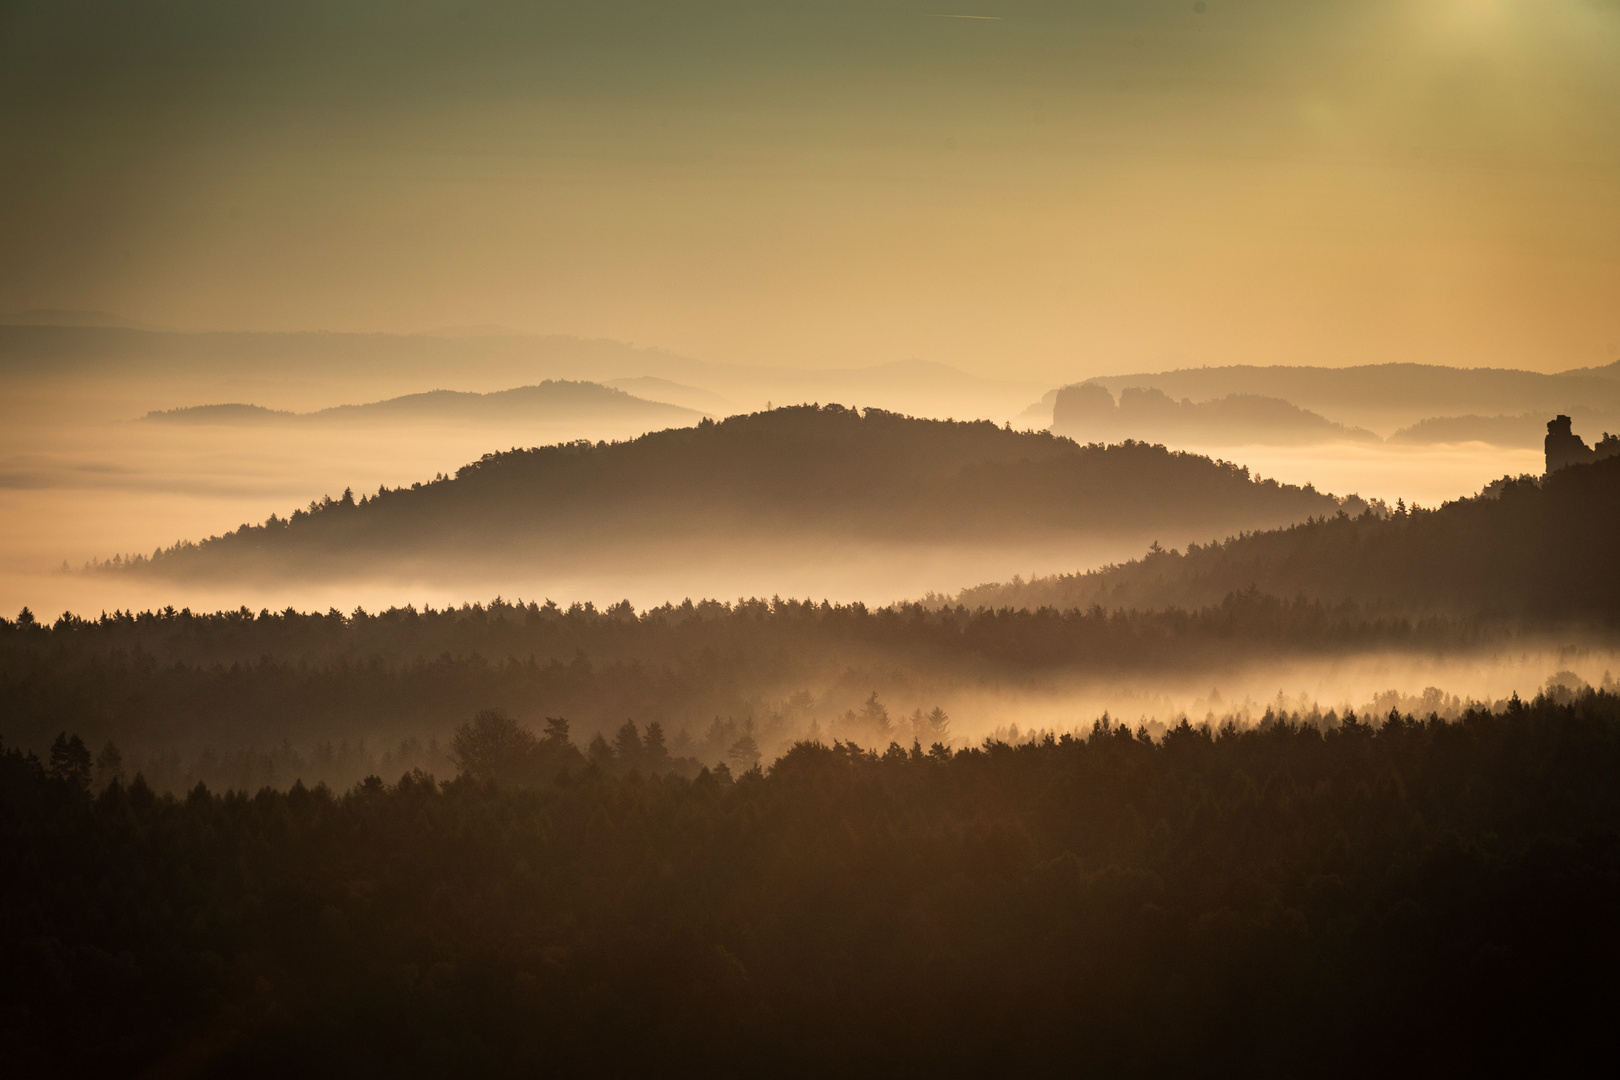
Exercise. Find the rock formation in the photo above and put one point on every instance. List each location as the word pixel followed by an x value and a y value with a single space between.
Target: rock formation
pixel 1564 447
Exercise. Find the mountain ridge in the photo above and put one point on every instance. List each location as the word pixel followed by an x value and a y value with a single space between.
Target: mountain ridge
pixel 1528 545
pixel 518 402
pixel 799 473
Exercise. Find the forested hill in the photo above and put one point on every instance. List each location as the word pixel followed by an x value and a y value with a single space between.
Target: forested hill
pixel 801 472
pixel 1543 548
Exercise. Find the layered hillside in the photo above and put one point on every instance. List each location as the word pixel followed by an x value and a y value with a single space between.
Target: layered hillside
pixel 795 474
pixel 310 367
pixel 1383 397
pixel 1528 430
pixel 1543 548
pixel 546 402
pixel 1388 396
pixel 1089 413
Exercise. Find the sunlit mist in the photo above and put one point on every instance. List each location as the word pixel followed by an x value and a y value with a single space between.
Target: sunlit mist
pixel 868 537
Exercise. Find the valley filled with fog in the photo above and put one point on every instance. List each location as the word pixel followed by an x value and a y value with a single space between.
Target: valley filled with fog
pixel 124 445
pixel 86 474
pixel 834 539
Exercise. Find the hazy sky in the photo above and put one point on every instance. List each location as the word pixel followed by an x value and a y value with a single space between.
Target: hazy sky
pixel 1055 188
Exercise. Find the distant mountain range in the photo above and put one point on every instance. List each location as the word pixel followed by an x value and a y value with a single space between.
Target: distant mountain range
pixel 1540 547
pixel 798 475
pixel 1526 430
pixel 1088 413
pixel 1215 405
pixel 65 317
pixel 1417 403
pixel 653 388
pixel 391 364
pixel 549 401
pixel 1390 396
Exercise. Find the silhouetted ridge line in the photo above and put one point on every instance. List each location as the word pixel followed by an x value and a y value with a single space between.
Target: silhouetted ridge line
pixel 229 413
pixel 1379 396
pixel 802 471
pixel 1532 546
pixel 550 399
pixel 1088 412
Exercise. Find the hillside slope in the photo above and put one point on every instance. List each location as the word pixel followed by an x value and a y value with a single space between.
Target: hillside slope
pixel 1543 548
pixel 796 474
pixel 1528 430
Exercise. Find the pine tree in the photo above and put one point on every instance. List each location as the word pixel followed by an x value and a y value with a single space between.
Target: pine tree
pixel 744 753
pixel 627 745
pixel 109 765
pixel 653 750
pixel 70 761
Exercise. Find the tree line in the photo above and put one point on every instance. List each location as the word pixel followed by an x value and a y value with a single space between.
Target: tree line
pixel 1539 548
pixel 1414 895
pixel 263 698
pixel 802 471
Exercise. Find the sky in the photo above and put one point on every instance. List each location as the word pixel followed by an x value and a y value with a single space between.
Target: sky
pixel 1044 188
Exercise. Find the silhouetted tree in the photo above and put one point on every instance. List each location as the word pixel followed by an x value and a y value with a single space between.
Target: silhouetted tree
pixel 70 761
pixel 744 753
pixel 654 750
pixel 109 765
pixel 627 745
pixel 493 746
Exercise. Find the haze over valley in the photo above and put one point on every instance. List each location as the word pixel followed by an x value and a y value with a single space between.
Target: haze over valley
pixel 850 539
pixel 87 477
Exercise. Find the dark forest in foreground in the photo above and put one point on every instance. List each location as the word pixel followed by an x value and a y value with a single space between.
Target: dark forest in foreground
pixel 1418 896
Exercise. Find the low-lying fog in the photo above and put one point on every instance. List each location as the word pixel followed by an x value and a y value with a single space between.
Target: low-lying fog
pixel 91 480
pixel 1369 684
pixel 86 480
pixel 834 706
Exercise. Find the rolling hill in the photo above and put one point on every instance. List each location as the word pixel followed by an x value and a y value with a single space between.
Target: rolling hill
pixel 1527 430
pixel 309 368
pixel 1088 413
pixel 804 474
pixel 1541 547
pixel 546 402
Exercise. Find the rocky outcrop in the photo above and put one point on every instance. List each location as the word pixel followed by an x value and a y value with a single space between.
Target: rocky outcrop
pixel 1564 447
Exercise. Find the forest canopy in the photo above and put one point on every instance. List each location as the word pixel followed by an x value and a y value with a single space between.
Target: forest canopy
pixel 1411 896
pixel 791 473
pixel 264 698
pixel 1542 548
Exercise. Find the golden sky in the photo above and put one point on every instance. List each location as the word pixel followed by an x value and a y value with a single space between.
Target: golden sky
pixel 1050 190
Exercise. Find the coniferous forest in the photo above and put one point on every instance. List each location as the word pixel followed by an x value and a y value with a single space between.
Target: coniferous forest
pixel 639 539
pixel 806 473
pixel 1527 547
pixel 245 699
pixel 512 837
pixel 1394 894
